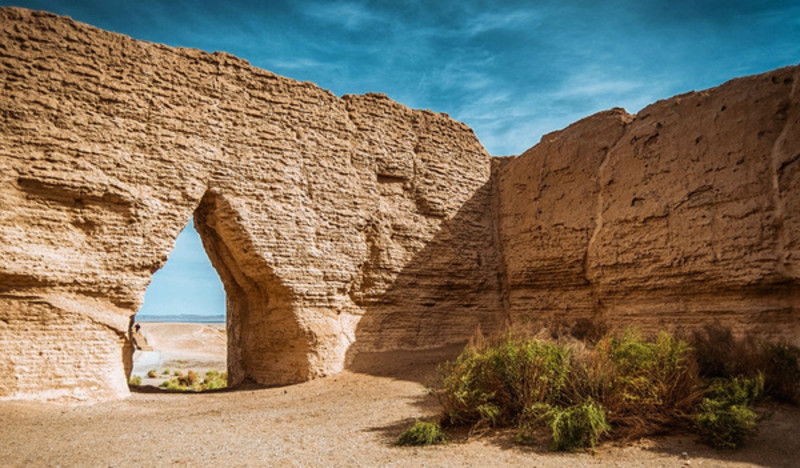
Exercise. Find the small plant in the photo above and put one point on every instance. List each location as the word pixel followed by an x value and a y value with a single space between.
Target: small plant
pixel 135 381
pixel 215 380
pixel 578 426
pixel 152 374
pixel 423 433
pixel 736 391
pixel 725 419
pixel 725 426
pixel 166 372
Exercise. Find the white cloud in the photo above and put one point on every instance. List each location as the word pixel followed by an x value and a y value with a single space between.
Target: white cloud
pixel 508 20
pixel 349 15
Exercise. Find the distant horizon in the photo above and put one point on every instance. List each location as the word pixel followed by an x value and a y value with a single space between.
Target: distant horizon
pixel 182 318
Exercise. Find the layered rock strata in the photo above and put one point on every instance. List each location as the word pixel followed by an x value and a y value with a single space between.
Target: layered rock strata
pixel 683 214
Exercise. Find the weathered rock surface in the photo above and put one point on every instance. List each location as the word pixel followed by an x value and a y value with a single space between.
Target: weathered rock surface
pixel 685 213
pixel 336 224
pixel 348 225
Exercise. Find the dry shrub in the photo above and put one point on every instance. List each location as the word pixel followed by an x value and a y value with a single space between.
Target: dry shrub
pixel 560 328
pixel 721 354
pixel 493 384
pixel 782 372
pixel 573 392
pixel 646 386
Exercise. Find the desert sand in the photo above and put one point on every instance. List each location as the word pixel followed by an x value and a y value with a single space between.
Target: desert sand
pixel 350 419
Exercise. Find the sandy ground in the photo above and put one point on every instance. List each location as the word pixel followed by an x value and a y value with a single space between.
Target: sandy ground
pixel 350 419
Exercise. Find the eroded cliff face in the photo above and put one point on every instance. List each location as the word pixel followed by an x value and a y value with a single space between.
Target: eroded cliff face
pixel 682 214
pixel 336 224
pixel 348 225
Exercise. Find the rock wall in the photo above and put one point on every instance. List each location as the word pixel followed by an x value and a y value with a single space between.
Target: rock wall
pixel 346 226
pixel 685 213
pixel 336 224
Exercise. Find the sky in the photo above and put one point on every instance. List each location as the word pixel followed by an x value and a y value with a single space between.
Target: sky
pixel 511 70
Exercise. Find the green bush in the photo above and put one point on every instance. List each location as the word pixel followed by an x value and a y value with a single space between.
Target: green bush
pixel 658 381
pixel 725 426
pixel 578 426
pixel 191 383
pixel 152 374
pixel 166 372
pixel 215 380
pixel 494 384
pixel 423 433
pixel 725 419
pixel 743 391
pixel 135 381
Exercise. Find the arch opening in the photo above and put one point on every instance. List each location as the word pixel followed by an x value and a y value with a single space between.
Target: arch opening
pixel 179 336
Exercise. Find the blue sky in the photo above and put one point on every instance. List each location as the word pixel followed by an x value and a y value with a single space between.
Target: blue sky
pixel 512 70
pixel 187 284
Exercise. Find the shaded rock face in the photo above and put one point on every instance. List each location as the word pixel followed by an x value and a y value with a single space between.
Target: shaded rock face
pixel 348 226
pixel 686 213
pixel 337 225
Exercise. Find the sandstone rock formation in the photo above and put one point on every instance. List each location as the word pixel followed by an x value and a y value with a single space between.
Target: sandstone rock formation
pixel 335 224
pixel 353 224
pixel 683 214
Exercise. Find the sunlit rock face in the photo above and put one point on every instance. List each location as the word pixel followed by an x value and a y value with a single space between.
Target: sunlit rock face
pixel 685 213
pixel 341 226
